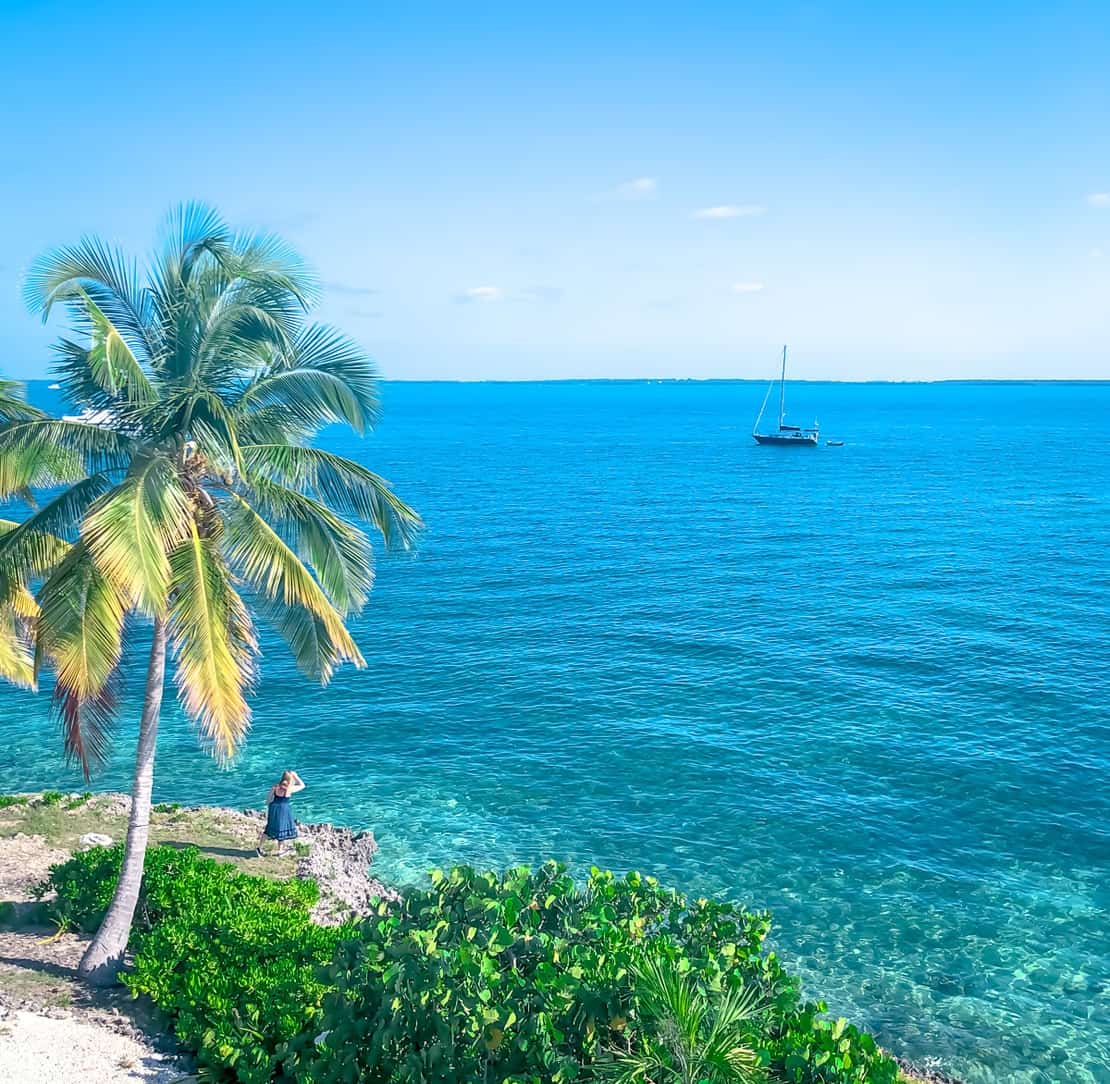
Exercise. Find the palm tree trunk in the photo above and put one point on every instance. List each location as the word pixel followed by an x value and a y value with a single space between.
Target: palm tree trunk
pixel 103 959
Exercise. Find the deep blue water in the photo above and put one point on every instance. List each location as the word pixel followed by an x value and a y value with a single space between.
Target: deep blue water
pixel 866 687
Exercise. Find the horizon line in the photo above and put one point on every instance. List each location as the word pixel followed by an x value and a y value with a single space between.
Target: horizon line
pixel 696 380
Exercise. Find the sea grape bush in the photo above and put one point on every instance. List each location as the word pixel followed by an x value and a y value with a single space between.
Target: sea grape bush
pixel 523 977
pixel 526 977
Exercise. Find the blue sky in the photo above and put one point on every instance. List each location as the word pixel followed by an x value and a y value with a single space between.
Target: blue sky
pixel 599 190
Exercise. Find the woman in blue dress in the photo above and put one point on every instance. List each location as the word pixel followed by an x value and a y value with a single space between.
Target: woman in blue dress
pixel 280 825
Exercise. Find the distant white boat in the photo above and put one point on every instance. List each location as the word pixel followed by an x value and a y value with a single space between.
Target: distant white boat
pixel 55 387
pixel 91 417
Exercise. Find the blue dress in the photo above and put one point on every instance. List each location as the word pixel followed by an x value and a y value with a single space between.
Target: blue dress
pixel 279 818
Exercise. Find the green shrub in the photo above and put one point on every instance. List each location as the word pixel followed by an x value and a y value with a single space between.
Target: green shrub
pixel 231 958
pixel 84 885
pixel 8 800
pixel 51 797
pixel 522 977
pixel 525 977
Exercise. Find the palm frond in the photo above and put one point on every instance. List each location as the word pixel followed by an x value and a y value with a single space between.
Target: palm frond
pixel 36 465
pixel 686 1032
pixel 13 403
pixel 92 269
pixel 79 634
pixel 337 551
pixel 130 530
pixel 16 653
pixel 213 641
pixel 325 378
pixel 341 483
pixel 307 636
pixel 111 362
pixel 97 448
pixel 189 231
pixel 264 560
pixel 273 267
pixel 39 543
pixel 212 426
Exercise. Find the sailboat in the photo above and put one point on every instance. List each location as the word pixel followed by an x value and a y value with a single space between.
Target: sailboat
pixel 793 435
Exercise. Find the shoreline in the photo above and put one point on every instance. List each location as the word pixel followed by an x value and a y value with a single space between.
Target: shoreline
pixel 38 830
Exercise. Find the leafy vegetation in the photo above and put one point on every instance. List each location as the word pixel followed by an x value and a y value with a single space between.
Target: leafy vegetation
pixel 232 959
pixel 689 1035
pixel 523 976
pixel 184 493
pixel 9 800
pixel 527 977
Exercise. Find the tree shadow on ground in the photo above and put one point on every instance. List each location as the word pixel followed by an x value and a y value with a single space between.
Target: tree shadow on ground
pixel 46 967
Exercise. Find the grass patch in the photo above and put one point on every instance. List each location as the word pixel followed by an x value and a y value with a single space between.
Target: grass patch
pixel 61 820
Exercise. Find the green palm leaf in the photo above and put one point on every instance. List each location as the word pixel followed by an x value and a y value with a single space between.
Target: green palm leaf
pixel 61 446
pixel 130 530
pixel 93 270
pixel 264 560
pixel 325 378
pixel 16 650
pixel 38 544
pixel 111 363
pixel 342 483
pixel 214 643
pixel 13 404
pixel 687 1034
pixel 338 552
pixel 80 637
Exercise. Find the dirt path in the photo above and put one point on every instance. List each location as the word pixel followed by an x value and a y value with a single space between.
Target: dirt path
pixel 37 1049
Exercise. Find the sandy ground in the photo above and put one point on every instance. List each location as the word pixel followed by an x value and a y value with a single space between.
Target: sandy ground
pixel 40 1050
pixel 53 1030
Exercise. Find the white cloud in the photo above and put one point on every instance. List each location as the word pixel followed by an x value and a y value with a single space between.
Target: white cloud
pixel 639 188
pixel 747 287
pixel 480 293
pixel 1099 199
pixel 731 210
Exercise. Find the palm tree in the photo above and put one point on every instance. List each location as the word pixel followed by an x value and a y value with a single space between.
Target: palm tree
pixel 185 496
pixel 687 1035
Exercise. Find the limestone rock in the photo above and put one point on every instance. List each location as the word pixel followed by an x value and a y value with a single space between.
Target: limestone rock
pixel 338 860
pixel 95 839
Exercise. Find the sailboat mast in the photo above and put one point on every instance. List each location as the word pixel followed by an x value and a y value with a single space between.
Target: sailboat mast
pixel 782 390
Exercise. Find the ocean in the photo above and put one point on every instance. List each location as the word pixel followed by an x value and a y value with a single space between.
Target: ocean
pixel 866 687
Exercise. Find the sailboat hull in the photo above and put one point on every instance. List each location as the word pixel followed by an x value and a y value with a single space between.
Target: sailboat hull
pixel 791 440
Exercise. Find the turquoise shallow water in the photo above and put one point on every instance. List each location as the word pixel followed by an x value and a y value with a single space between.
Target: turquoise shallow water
pixel 866 687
